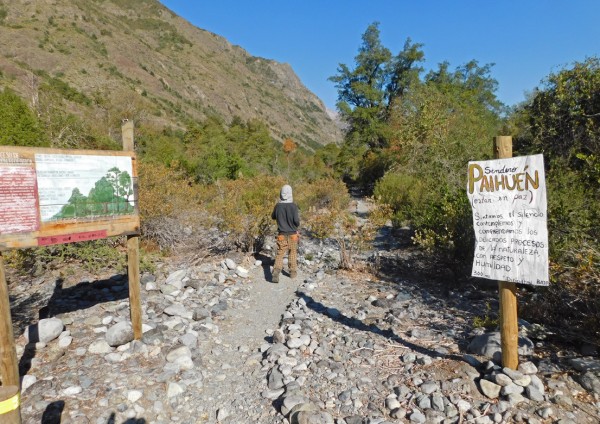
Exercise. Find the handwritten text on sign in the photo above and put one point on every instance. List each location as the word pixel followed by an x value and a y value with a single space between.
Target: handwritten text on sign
pixel 508 197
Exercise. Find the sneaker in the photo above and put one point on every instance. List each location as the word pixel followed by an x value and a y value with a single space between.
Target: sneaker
pixel 293 274
pixel 276 276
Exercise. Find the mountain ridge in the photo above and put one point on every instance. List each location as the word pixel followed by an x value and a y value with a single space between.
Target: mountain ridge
pixel 139 60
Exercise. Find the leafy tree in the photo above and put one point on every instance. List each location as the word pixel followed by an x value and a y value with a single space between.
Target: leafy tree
pixel 18 125
pixel 101 195
pixel 367 92
pixel 563 116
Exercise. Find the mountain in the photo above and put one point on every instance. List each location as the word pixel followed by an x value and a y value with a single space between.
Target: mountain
pixel 135 59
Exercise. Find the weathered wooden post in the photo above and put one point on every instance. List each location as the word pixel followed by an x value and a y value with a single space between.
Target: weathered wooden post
pixel 10 401
pixel 133 253
pixel 509 328
pixel 9 392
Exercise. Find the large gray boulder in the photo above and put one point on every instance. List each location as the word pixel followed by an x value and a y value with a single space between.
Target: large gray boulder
pixel 44 331
pixel 489 345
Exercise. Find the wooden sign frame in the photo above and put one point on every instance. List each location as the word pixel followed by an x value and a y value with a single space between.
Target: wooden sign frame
pixel 32 180
pixel 74 221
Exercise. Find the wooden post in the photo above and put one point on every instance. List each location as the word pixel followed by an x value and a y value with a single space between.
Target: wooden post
pixel 133 253
pixel 509 328
pixel 10 405
pixel 8 353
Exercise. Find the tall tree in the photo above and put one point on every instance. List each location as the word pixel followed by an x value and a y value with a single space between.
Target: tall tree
pixel 366 93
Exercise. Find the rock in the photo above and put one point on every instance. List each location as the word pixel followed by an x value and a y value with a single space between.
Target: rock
pixel 527 368
pixel 429 387
pixel 391 403
pixel 272 394
pixel 417 417
pixel 65 342
pixel 502 379
pixel 72 391
pixel 178 310
pixel 534 394
pixel 230 264
pixel 489 389
pixel 511 388
pixel 290 401
pixel 175 279
pixel 585 364
pixel 489 345
pixel 310 417
pixel 174 389
pixel 168 289
pixel 44 331
pixel 176 354
pixel 222 413
pixel 27 381
pixel 119 334
pixel 134 395
pixel 100 347
pixel 242 272
pixel 274 379
pixel 590 381
pixel 537 383
pixel 545 412
pixel 200 314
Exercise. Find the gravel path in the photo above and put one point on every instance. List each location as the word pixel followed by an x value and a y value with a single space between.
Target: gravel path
pixel 222 344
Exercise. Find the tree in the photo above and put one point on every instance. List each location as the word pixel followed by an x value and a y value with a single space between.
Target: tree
pixel 366 93
pixel 564 115
pixel 101 195
pixel 289 147
pixel 18 124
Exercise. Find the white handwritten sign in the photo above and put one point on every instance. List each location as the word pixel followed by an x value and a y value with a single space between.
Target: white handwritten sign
pixel 508 197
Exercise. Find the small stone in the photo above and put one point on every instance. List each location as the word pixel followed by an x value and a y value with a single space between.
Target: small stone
pixel 391 403
pixel 99 347
pixel 119 334
pixel 417 417
pixel 545 412
pixel 134 395
pixel 534 394
pixel 489 389
pixel 222 413
pixel 527 368
pixel 28 381
pixel 65 342
pixel 512 388
pixel 72 391
pixel 502 379
pixel 174 389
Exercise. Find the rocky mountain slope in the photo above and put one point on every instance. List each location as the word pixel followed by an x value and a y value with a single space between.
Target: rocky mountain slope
pixel 136 59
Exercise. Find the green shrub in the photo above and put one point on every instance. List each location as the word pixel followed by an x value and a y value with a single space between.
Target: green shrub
pixel 18 125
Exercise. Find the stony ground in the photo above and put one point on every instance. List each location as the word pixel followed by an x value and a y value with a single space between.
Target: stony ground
pixel 222 344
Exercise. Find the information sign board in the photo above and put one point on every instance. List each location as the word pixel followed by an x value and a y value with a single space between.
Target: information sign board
pixel 51 196
pixel 508 197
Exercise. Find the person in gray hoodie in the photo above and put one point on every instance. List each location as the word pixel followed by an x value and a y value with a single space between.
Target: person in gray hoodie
pixel 288 220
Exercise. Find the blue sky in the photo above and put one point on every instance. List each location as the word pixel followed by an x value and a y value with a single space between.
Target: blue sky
pixel 525 39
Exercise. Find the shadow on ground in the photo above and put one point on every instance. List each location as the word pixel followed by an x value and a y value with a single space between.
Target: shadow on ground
pixel 357 324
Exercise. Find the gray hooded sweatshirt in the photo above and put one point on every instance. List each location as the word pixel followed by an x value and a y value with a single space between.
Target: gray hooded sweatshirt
pixel 286 212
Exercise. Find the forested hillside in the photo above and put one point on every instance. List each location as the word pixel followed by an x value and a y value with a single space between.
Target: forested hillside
pixel 83 66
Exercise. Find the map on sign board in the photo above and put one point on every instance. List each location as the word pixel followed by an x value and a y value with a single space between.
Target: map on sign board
pixel 83 186
pixel 508 197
